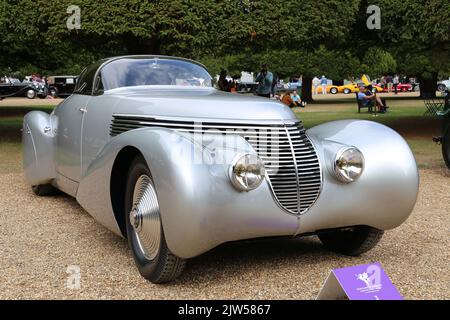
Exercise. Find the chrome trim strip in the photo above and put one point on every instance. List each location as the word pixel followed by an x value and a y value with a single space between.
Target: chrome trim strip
pixel 296 172
pixel 212 120
pixel 320 170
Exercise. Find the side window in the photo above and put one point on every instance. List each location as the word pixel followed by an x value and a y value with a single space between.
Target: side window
pixel 98 85
pixel 85 81
pixel 81 82
pixel 89 80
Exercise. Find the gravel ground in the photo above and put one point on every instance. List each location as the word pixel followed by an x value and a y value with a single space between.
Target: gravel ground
pixel 40 237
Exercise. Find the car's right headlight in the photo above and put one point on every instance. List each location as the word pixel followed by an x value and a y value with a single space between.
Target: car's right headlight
pixel 247 172
pixel 348 164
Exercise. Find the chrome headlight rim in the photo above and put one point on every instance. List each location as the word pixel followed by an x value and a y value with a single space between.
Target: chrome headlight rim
pixel 232 174
pixel 338 170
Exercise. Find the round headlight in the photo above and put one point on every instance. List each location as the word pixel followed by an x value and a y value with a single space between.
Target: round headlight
pixel 349 164
pixel 247 172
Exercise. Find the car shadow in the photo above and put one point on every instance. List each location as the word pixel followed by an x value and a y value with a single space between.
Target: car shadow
pixel 238 259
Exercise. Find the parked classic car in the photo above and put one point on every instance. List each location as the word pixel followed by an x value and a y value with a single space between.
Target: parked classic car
pixel 401 87
pixel 11 87
pixel 61 86
pixel 346 88
pixel 157 155
pixel 443 85
pixel 444 140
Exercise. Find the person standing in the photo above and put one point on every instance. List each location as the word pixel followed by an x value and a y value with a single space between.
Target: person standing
pixel 383 82
pixel 264 79
pixel 223 84
pixel 395 81
pixel 323 83
pixel 316 83
pixel 389 82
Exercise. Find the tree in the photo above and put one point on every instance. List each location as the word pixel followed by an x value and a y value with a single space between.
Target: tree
pixel 307 37
pixel 416 33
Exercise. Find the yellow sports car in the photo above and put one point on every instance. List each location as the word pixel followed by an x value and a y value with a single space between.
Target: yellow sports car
pixel 350 87
pixel 333 89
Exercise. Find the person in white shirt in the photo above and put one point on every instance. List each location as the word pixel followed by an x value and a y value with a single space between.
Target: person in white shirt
pixel 396 81
pixel 316 83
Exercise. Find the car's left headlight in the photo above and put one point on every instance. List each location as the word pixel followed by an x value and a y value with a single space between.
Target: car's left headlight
pixel 247 172
pixel 349 164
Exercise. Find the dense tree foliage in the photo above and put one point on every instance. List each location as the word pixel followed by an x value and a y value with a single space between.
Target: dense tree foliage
pixel 307 37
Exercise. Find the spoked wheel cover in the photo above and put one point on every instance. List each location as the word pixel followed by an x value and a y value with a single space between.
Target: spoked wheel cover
pixel 145 217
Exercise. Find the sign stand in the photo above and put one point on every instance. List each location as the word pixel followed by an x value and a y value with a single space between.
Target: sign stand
pixel 362 282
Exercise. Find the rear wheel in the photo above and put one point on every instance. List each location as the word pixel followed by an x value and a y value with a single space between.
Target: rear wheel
pixel 54 92
pixel 353 241
pixel 446 148
pixel 145 233
pixel 334 90
pixel 44 190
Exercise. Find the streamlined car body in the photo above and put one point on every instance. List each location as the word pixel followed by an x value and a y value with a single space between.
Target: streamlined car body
pixel 155 154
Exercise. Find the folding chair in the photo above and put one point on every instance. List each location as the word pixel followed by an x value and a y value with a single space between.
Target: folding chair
pixel 433 107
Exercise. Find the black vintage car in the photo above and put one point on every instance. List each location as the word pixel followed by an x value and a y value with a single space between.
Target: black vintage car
pixel 61 86
pixel 11 87
pixel 445 139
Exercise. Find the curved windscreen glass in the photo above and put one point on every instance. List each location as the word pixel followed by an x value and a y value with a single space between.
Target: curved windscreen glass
pixel 153 71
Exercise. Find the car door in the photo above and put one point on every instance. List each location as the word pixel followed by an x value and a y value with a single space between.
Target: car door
pixel 70 116
pixel 96 122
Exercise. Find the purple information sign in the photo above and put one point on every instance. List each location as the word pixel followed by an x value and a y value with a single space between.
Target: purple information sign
pixel 363 282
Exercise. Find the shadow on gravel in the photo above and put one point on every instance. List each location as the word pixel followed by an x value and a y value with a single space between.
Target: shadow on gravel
pixel 236 259
pixel 229 260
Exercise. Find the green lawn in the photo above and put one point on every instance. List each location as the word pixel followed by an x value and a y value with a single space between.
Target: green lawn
pixel 311 119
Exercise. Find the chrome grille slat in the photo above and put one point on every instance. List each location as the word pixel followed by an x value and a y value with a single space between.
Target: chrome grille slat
pixel 292 167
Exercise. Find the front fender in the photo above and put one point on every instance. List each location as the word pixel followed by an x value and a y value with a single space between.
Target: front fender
pixel 199 207
pixel 385 194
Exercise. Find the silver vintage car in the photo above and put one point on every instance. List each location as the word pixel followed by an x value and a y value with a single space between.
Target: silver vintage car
pixel 157 155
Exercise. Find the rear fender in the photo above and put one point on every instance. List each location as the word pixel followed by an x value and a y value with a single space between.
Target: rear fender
pixel 38 142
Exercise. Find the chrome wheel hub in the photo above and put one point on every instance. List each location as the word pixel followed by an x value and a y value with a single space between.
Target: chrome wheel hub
pixel 135 218
pixel 145 218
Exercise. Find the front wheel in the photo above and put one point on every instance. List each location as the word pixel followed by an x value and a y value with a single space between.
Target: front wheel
pixel 31 94
pixel 446 148
pixel 441 87
pixel 145 233
pixel 353 241
pixel 347 91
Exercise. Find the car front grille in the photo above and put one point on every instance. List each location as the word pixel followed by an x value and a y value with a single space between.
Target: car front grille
pixel 292 165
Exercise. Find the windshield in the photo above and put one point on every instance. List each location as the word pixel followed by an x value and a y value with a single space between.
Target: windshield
pixel 153 71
